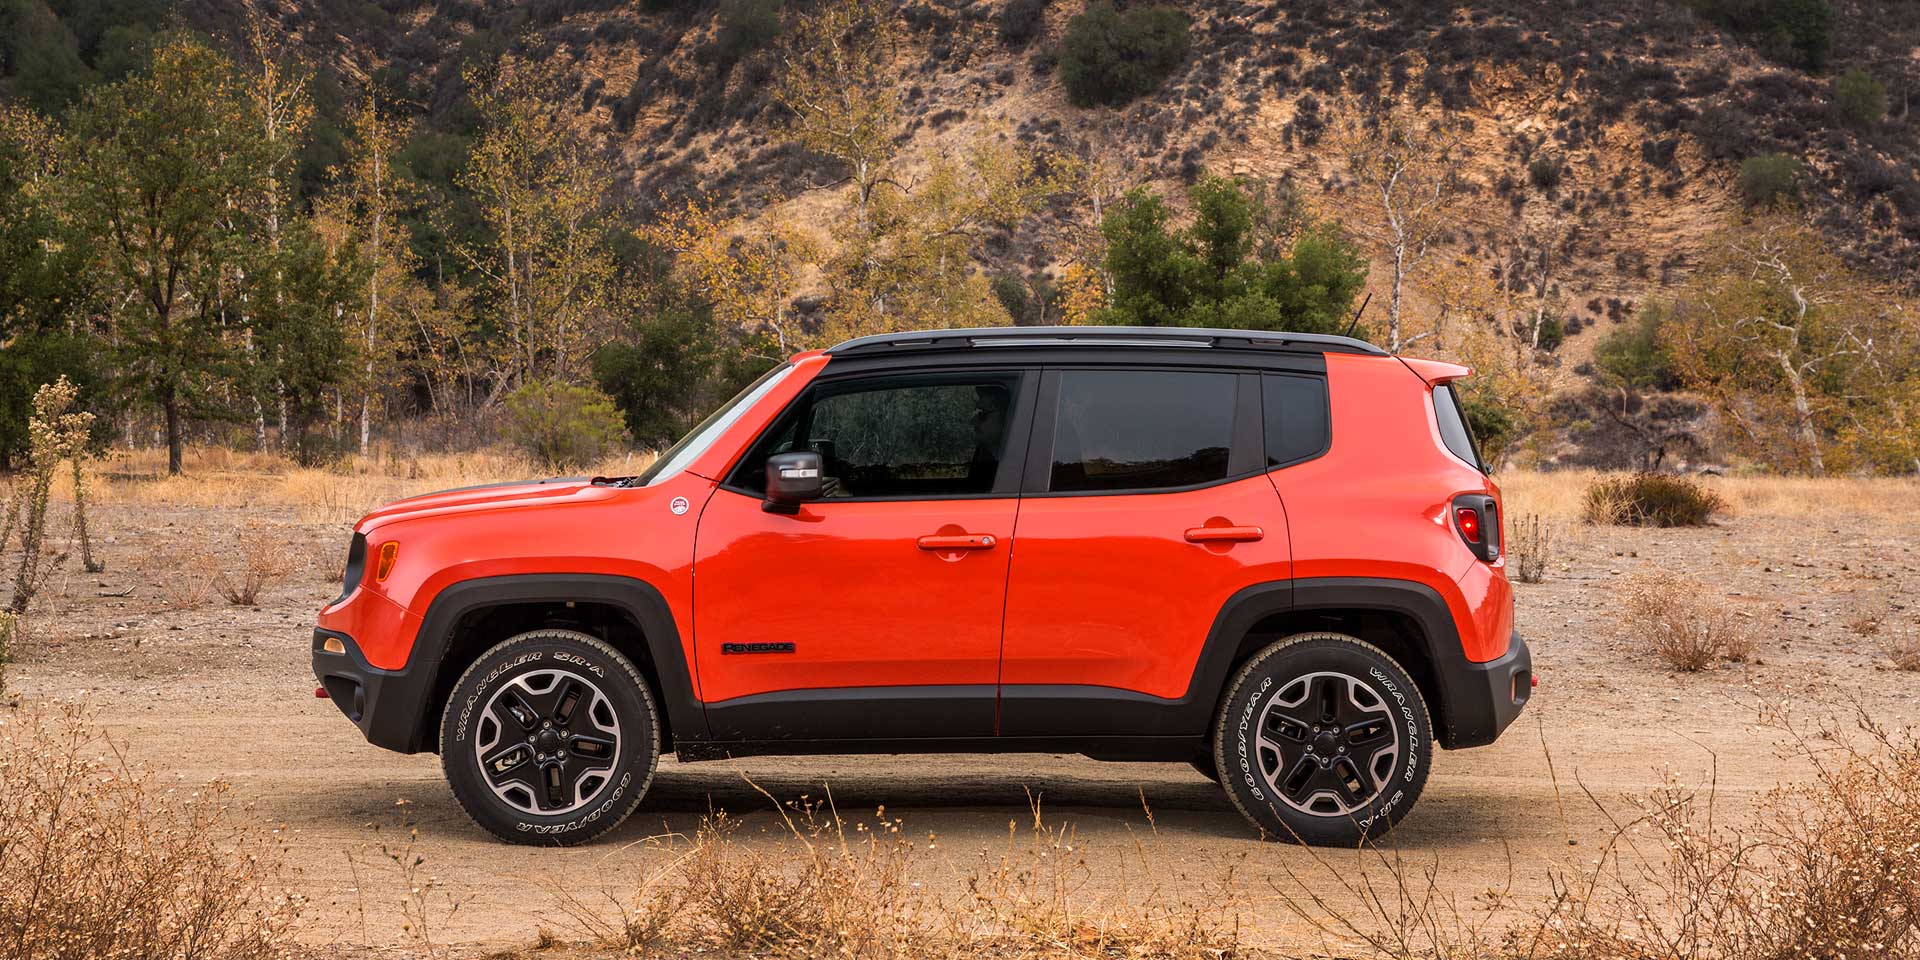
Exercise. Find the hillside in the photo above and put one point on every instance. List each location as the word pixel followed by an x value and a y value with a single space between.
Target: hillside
pixel 1642 109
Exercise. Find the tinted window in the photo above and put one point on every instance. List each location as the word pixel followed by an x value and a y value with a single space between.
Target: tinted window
pixel 1296 417
pixel 925 439
pixel 1453 425
pixel 1140 429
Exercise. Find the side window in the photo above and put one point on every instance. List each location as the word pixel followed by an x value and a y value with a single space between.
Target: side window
pixel 1453 425
pixel 924 439
pixel 1296 418
pixel 1141 429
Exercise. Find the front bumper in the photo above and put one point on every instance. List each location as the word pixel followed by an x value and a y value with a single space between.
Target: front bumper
pixel 386 705
pixel 1482 699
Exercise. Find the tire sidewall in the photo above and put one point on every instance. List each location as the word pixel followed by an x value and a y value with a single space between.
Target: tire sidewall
pixel 633 708
pixel 1264 676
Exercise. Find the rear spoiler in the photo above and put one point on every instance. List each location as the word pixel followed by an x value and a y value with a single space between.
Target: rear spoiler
pixel 1436 372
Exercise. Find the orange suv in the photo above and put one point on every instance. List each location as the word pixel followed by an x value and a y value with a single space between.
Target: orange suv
pixel 1274 556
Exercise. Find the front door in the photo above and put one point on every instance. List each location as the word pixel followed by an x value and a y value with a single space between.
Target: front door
pixel 876 611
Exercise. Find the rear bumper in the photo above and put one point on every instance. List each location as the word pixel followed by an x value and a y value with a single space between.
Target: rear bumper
pixel 384 704
pixel 1482 699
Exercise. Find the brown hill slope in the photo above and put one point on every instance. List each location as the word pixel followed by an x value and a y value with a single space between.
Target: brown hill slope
pixel 1606 135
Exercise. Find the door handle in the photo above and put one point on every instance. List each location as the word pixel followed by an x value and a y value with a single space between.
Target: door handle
pixel 1223 534
pixel 964 541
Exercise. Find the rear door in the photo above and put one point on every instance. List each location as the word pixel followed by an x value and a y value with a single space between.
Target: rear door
pixel 875 612
pixel 1146 508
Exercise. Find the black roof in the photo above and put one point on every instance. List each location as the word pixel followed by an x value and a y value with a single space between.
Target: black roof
pixel 1157 337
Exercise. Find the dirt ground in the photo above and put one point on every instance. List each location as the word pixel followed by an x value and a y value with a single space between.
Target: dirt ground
pixel 201 689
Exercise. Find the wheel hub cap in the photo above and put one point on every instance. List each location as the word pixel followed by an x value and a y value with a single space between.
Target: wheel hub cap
pixel 548 742
pixel 1327 744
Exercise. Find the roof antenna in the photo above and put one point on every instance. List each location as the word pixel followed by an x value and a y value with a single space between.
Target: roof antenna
pixel 1357 313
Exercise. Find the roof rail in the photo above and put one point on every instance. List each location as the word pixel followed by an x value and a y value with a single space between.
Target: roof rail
pixel 1157 337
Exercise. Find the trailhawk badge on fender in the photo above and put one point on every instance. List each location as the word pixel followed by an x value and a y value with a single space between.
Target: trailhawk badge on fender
pixel 678 505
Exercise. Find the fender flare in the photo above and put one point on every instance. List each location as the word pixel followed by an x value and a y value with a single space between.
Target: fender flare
pixel 639 599
pixel 1439 638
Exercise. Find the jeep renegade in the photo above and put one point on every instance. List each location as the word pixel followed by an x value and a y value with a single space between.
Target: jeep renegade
pixel 1274 556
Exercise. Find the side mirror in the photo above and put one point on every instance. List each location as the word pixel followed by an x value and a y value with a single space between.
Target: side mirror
pixel 792 479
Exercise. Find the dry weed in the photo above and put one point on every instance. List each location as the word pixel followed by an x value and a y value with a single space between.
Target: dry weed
pixel 95 861
pixel 263 559
pixel 1900 641
pixel 1675 619
pixel 182 577
pixel 1532 547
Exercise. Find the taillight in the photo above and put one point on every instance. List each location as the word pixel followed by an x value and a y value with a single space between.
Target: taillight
pixel 1477 517
pixel 1469 520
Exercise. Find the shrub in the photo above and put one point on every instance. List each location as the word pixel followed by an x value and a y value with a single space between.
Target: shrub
pixel 745 26
pixel 1672 618
pixel 1651 500
pixel 1862 100
pixel 1021 20
pixel 563 425
pixel 1635 356
pixel 1110 58
pixel 1769 178
pixel 1544 172
pixel 96 860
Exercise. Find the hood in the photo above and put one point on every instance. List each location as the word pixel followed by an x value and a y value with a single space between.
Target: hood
pixel 491 496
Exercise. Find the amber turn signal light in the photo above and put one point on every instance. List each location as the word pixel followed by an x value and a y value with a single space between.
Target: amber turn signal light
pixel 388 551
pixel 333 645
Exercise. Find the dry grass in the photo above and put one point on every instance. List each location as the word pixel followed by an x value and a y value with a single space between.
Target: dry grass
pixel 96 861
pixel 840 887
pixel 1676 619
pixel 262 558
pixel 1560 495
pixel 1828 869
pixel 341 493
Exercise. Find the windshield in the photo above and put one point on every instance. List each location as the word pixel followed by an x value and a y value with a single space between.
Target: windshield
pixel 701 437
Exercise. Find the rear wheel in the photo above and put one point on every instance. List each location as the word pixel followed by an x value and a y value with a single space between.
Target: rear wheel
pixel 1323 739
pixel 550 738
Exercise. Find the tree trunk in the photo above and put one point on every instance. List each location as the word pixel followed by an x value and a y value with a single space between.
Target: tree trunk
pixel 170 404
pixel 1803 411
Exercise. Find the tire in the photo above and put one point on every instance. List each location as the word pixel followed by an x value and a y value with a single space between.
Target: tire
pixel 1294 783
pixel 571 727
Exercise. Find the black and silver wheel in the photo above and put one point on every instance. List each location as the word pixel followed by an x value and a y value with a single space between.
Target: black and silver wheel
pixel 1323 739
pixel 550 738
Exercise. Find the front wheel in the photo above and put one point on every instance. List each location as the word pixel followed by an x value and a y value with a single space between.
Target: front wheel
pixel 1323 739
pixel 550 738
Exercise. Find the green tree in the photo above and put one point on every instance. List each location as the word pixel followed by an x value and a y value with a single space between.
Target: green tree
pixel 1110 58
pixel 1232 266
pixel 45 286
pixel 156 166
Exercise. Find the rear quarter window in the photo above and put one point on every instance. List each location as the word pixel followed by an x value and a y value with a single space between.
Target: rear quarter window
pixel 1454 431
pixel 1295 414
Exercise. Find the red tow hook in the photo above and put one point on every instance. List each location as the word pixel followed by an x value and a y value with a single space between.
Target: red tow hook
pixel 320 693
